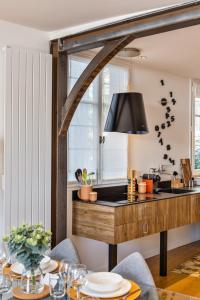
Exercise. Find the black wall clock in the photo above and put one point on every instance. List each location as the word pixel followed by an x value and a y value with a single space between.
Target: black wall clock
pixel 169 119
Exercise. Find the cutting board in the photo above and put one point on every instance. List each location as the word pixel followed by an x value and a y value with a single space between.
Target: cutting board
pixel 186 170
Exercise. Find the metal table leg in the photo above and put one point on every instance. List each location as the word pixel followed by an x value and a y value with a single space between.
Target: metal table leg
pixel 163 253
pixel 112 253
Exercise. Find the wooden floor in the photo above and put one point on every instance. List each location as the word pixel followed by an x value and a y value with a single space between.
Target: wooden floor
pixel 176 282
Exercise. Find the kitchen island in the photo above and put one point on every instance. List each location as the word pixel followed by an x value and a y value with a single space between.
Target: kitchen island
pixel 115 219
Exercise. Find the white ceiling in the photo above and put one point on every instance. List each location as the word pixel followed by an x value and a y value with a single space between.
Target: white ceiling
pixel 50 15
pixel 175 51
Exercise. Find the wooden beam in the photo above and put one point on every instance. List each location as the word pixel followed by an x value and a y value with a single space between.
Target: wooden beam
pixel 176 17
pixel 59 148
pixel 88 75
pixel 113 38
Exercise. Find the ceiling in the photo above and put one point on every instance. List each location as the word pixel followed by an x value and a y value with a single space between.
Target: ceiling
pixel 176 51
pixel 50 15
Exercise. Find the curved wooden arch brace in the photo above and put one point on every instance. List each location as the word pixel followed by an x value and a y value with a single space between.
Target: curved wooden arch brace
pixel 86 78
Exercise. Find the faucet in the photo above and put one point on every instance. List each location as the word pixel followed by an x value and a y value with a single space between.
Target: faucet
pixel 161 170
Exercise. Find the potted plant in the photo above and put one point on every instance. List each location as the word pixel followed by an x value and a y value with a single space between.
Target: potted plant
pixel 85 179
pixel 28 243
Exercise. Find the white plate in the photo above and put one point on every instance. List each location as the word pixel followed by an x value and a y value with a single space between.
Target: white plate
pixel 125 287
pixel 19 268
pixel 104 282
pixel 45 262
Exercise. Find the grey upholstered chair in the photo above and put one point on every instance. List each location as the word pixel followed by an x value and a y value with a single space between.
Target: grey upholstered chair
pixel 65 250
pixel 135 268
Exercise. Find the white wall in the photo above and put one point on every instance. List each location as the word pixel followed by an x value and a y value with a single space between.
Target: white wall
pixel 145 152
pixel 2 91
pixel 21 36
pixel 14 35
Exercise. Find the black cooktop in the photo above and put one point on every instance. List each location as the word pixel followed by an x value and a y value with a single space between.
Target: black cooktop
pixel 126 199
pixel 117 196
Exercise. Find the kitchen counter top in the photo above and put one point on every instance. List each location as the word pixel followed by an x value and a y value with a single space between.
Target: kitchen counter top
pixel 114 219
pixel 123 199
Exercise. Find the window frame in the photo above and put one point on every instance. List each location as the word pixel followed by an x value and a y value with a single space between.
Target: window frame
pixel 194 82
pixel 100 182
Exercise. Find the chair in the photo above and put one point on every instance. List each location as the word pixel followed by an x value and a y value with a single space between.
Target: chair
pixel 135 268
pixel 65 250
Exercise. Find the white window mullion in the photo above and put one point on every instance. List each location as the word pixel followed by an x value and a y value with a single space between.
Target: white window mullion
pixel 195 134
pixel 100 131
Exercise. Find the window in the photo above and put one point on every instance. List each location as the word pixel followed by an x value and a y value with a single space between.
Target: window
pixel 196 125
pixel 109 159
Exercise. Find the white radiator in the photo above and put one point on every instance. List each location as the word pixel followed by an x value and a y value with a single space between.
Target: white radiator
pixel 26 82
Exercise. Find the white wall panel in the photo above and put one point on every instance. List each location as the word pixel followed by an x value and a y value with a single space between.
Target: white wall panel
pixel 8 140
pixel 48 110
pixel 27 136
pixel 2 92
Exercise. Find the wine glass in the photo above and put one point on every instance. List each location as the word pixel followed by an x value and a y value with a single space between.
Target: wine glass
pixel 77 277
pixel 3 258
pixel 64 271
pixel 5 283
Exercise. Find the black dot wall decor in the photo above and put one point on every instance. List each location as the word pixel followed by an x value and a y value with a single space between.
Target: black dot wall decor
pixel 173 101
pixel 165 156
pixel 169 119
pixel 168 124
pixel 163 125
pixel 162 82
pixel 167 115
pixel 159 134
pixel 168 147
pixel 163 101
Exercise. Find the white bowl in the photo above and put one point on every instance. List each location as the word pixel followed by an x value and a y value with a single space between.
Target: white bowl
pixel 45 262
pixel 104 282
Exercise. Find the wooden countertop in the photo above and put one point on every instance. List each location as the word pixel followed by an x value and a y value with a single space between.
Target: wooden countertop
pixel 113 222
pixel 121 199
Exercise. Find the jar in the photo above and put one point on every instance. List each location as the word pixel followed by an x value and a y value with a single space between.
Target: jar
pixel 93 196
pixel 149 185
pixel 84 192
pixel 142 187
pixel 32 281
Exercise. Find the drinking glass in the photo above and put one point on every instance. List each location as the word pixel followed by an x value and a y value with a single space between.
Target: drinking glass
pixel 64 271
pixel 56 285
pixel 5 283
pixel 3 258
pixel 77 277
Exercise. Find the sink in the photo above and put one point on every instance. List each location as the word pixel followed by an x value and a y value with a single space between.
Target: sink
pixel 175 191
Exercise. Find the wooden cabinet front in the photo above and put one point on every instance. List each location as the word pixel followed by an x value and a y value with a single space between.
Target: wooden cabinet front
pixel 183 210
pixel 195 209
pixel 166 216
pixel 134 221
pixel 115 225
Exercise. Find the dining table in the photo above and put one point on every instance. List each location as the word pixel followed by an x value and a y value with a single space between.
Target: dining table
pixel 147 293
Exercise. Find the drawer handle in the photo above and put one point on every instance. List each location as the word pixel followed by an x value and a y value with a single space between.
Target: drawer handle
pixel 145 228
